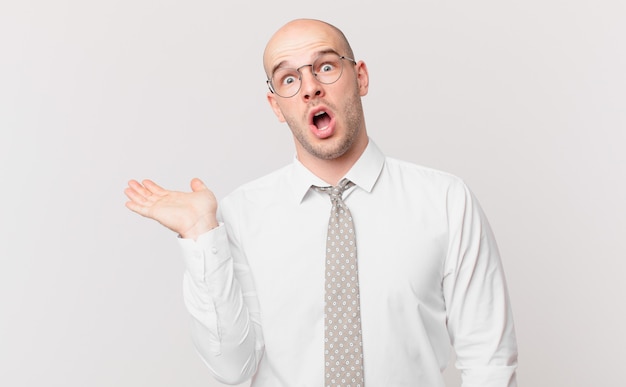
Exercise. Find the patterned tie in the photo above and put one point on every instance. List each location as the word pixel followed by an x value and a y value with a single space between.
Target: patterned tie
pixel 343 346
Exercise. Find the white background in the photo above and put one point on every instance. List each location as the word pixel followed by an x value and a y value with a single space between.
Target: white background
pixel 525 100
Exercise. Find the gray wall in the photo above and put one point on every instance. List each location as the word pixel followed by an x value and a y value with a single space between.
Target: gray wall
pixel 525 100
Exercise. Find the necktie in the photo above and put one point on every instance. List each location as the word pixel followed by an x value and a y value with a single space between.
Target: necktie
pixel 342 338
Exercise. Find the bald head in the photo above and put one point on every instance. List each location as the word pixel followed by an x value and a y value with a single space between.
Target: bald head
pixel 303 34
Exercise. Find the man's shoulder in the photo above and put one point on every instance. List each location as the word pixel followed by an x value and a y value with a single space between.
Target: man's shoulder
pixel 408 170
pixel 426 182
pixel 261 187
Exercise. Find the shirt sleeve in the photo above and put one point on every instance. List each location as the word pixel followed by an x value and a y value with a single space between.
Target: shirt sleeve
pixel 479 316
pixel 225 328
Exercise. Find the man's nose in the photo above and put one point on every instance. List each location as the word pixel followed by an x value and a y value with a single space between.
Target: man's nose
pixel 310 87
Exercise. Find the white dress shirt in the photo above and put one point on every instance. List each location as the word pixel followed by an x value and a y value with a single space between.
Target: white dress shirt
pixel 429 273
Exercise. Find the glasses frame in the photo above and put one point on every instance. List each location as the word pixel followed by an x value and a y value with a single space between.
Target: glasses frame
pixel 341 57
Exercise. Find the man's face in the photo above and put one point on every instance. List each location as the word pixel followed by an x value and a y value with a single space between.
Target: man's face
pixel 325 119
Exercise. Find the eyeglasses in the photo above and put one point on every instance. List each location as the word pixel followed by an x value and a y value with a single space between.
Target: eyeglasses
pixel 326 69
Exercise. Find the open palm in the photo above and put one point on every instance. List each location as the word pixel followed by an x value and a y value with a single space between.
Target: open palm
pixel 186 213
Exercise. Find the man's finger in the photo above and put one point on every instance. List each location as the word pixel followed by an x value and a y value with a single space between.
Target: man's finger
pixel 137 208
pixel 139 189
pixel 154 188
pixel 197 185
pixel 135 196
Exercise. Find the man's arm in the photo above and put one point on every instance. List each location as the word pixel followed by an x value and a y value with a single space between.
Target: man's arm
pixel 480 320
pixel 219 294
pixel 228 339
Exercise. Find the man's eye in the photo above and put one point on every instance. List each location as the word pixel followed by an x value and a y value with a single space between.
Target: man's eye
pixel 288 80
pixel 326 67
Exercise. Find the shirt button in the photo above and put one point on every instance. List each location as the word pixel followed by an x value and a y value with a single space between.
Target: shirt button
pixel 214 250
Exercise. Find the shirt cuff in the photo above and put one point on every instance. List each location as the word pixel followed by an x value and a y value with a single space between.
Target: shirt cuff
pixel 205 255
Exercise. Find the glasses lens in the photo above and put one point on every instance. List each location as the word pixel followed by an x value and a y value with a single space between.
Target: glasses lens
pixel 286 82
pixel 328 68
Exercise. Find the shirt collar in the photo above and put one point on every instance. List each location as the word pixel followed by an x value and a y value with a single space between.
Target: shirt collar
pixel 364 173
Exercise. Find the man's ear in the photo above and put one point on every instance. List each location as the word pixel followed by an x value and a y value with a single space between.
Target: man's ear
pixel 271 98
pixel 362 77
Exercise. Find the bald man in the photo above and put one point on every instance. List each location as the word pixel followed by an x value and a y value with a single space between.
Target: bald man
pixel 271 296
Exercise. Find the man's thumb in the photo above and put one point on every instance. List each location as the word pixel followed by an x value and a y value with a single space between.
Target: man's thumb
pixel 197 185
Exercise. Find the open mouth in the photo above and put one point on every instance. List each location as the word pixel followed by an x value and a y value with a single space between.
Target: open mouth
pixel 321 120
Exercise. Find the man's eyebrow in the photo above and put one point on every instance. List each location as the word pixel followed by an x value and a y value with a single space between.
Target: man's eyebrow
pixel 277 66
pixel 282 63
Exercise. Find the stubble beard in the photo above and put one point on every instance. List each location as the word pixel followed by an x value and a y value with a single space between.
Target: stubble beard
pixel 336 146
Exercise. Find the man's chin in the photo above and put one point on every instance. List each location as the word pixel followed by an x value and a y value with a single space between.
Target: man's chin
pixel 328 150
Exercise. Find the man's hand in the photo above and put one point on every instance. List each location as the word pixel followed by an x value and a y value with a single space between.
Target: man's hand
pixel 186 213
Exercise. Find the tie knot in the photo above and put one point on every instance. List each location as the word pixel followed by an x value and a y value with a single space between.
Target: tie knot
pixel 336 191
